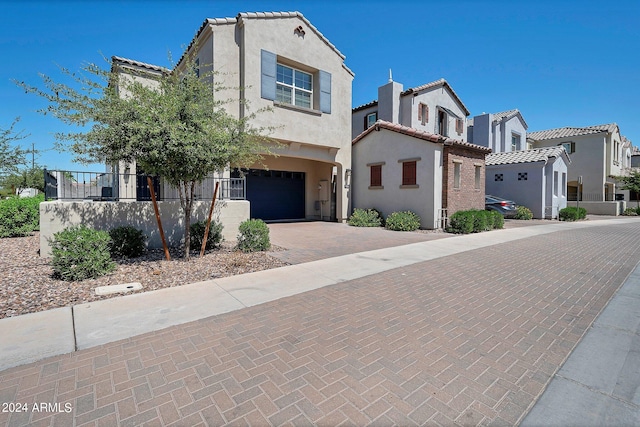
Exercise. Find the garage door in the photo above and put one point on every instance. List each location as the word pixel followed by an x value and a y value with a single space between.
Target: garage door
pixel 275 194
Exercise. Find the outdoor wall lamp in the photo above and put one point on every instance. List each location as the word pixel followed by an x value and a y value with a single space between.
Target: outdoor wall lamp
pixel 347 178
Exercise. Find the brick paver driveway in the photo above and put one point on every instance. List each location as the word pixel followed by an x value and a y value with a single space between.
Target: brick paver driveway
pixel 470 338
pixel 311 241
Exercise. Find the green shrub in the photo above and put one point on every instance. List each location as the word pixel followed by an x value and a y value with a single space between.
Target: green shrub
pixel 482 220
pixel 523 212
pixel 79 253
pixel 474 221
pixel 213 239
pixel 127 242
pixel 20 216
pixel 403 221
pixel 498 219
pixel 630 212
pixel 253 236
pixel 365 218
pixel 461 222
pixel 571 213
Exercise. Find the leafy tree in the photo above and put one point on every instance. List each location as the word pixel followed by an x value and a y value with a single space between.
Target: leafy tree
pixel 631 182
pixel 170 123
pixel 10 157
pixel 25 178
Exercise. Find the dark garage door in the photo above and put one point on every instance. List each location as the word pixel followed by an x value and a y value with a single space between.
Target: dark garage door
pixel 275 194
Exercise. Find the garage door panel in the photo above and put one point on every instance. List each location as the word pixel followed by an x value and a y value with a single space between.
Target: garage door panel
pixel 276 195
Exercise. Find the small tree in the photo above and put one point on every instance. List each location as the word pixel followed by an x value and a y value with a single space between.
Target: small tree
pixel 10 157
pixel 25 178
pixel 631 182
pixel 169 123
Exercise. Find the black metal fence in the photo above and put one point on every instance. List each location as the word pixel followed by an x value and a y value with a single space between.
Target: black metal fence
pixel 105 186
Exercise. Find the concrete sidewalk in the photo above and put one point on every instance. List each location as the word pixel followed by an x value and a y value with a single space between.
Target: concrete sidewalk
pixel 35 336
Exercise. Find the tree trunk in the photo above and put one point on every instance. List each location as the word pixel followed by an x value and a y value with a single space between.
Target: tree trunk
pixel 187 205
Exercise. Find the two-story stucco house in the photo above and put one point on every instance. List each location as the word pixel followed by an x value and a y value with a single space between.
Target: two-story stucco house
pixel 596 156
pixel 281 61
pixel 433 107
pixel 409 153
pixel 531 178
pixel 502 132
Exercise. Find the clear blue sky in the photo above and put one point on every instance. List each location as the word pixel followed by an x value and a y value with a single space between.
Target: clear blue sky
pixel 562 63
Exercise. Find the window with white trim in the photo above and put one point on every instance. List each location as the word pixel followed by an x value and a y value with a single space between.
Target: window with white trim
pixel 371 119
pixel 294 87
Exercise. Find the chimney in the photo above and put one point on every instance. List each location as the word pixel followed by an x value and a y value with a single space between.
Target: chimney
pixel 389 101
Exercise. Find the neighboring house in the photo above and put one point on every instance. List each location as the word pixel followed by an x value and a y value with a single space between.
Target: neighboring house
pixel 534 178
pixel 280 60
pixel 635 157
pixel 433 107
pixel 596 156
pixel 502 132
pixel 397 168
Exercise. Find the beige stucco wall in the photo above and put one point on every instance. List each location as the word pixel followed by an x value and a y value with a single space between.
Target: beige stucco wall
pixel 56 216
pixel 601 208
pixel 434 97
pixel 390 147
pixel 588 161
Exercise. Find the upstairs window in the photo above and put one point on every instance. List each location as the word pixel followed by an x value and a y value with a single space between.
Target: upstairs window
pixel 459 126
pixel 370 120
pixel 570 147
pixel 294 87
pixel 291 86
pixel 515 142
pixel 423 114
pixel 442 123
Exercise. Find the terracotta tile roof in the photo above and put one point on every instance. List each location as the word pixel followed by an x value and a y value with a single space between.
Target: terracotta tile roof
pixel 120 60
pixel 441 82
pixel 506 115
pixel 571 131
pixel 364 106
pixel 405 130
pixel 526 156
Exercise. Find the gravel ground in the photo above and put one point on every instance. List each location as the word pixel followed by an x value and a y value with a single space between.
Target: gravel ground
pixel 26 285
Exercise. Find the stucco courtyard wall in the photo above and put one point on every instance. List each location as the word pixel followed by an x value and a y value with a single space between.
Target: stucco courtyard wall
pixel 56 216
pixel 601 208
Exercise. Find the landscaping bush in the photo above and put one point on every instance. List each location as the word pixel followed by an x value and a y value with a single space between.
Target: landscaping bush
pixel 127 242
pixel 79 253
pixel 461 222
pixel 365 218
pixel 497 218
pixel 20 216
pixel 403 221
pixel 474 221
pixel 630 212
pixel 571 213
pixel 523 212
pixel 213 239
pixel 253 236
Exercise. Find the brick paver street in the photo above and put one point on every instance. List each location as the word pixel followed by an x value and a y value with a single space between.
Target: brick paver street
pixel 471 338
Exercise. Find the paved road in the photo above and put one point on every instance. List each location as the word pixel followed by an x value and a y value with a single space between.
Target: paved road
pixel 471 338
